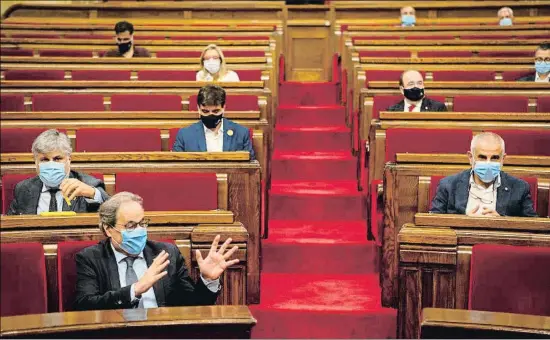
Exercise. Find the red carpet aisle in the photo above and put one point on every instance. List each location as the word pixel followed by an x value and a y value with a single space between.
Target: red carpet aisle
pixel 319 277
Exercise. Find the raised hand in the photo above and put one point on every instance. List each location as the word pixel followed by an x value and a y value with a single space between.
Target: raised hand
pixel 216 262
pixel 154 273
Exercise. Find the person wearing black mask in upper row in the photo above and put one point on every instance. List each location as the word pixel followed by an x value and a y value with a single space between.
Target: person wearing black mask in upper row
pixel 124 39
pixel 411 85
pixel 213 133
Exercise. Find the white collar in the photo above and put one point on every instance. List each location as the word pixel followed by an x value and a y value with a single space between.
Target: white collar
pixel 495 184
pixel 537 78
pixel 121 256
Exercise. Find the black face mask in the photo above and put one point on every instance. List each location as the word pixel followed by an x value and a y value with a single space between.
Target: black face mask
pixel 211 121
pixel 123 48
pixel 414 94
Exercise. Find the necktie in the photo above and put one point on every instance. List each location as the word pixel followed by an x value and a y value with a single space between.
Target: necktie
pixel 53 200
pixel 411 108
pixel 131 276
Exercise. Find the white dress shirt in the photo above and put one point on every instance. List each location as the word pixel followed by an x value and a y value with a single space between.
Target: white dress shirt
pixel 46 197
pixel 229 76
pixel 538 80
pixel 140 267
pixel 214 140
pixel 408 105
pixel 484 197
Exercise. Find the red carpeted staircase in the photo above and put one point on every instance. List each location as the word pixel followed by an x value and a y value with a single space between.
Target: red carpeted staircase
pixel 319 276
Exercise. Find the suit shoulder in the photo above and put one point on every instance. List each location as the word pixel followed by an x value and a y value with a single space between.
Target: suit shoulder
pixel 450 180
pixel 189 128
pixel 29 182
pixel 236 126
pixel 92 252
pixel 515 181
pixel 88 179
pixel 529 77
pixel 433 102
pixel 158 246
pixel 396 107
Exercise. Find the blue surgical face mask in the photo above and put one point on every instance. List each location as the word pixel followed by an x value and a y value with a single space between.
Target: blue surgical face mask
pixel 487 171
pixel 133 241
pixel 542 67
pixel 505 22
pixel 52 173
pixel 408 20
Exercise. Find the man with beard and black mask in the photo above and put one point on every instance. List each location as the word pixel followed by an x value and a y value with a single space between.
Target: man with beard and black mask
pixel 213 133
pixel 411 85
pixel 125 43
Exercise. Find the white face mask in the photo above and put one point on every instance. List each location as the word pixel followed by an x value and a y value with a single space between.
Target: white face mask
pixel 212 65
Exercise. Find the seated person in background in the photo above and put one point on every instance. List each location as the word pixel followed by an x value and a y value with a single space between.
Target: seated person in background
pixel 213 133
pixel 411 85
pixel 484 190
pixel 542 65
pixel 213 67
pixel 55 182
pixel 505 16
pixel 125 42
pixel 408 16
pixel 128 271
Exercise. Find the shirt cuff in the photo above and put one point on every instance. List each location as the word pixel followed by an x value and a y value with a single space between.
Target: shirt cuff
pixel 212 285
pixel 97 197
pixel 132 291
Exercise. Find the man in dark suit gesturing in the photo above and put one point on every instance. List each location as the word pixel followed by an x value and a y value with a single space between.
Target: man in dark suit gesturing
pixel 128 271
pixel 57 187
pixel 484 190
pixel 411 85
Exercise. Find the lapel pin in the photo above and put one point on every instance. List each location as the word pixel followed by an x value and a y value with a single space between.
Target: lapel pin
pixel 230 132
pixel 505 188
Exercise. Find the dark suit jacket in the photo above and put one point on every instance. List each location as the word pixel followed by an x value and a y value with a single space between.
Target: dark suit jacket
pixel 192 138
pixel 98 284
pixel 139 52
pixel 530 77
pixel 427 105
pixel 513 196
pixel 27 194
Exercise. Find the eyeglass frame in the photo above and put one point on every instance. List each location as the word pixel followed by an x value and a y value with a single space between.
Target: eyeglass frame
pixel 144 223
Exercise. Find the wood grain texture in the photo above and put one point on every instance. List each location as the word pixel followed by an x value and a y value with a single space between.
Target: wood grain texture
pixel 466 116
pixel 75 84
pixel 543 161
pixel 494 223
pixel 227 156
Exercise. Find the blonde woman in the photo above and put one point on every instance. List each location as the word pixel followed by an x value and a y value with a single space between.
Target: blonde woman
pixel 213 67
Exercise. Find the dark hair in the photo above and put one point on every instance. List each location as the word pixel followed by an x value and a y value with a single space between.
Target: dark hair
pixel 211 95
pixel 544 46
pixel 123 26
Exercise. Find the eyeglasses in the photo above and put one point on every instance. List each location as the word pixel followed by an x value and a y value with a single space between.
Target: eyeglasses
pixel 483 200
pixel 539 60
pixel 133 225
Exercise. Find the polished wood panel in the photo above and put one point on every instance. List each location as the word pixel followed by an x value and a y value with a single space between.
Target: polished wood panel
pixel 309 50
pixel 166 322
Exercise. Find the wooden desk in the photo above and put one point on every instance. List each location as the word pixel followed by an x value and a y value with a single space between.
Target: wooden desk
pixel 442 323
pixel 201 322
pixel 434 259
pixel 241 178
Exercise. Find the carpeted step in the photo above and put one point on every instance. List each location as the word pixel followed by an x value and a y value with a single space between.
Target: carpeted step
pixel 328 115
pixel 322 247
pixel 298 93
pixel 316 201
pixel 312 138
pixel 321 306
pixel 313 166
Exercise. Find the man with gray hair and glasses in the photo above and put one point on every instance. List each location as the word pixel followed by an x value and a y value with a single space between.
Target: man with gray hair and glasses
pixel 57 187
pixel 484 190
pixel 127 270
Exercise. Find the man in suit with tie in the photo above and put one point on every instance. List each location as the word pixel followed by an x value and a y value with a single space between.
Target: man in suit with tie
pixel 484 190
pixel 128 271
pixel 56 184
pixel 213 133
pixel 542 65
pixel 411 85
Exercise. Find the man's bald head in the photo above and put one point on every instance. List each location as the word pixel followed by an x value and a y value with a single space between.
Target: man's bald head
pixel 411 78
pixel 408 10
pixel 505 12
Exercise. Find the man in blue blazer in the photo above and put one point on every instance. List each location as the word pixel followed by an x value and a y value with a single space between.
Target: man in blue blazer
pixel 484 190
pixel 213 133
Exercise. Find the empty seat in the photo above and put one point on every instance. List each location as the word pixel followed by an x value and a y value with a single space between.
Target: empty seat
pixel 145 102
pixel 88 36
pixel 232 103
pixel 463 75
pixel 171 191
pixel 34 75
pixel 249 75
pixel 405 140
pixel 66 53
pixel 19 140
pixel 383 102
pixel 526 142
pixel 101 75
pixel 510 279
pixel 118 140
pixel 515 75
pixel 9 182
pixel 231 53
pixel 430 37
pixel 179 54
pixel 67 102
pixel 23 279
pixel 375 37
pixel 445 54
pixel 12 102
pixel 506 54
pixel 384 54
pixel 15 52
pixel 383 75
pixel 167 75
pixel 35 36
pixel 543 104
pixel 66 271
pixel 490 104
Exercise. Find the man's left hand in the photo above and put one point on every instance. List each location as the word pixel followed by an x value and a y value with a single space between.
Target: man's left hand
pixel 72 187
pixel 216 262
pixel 489 212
